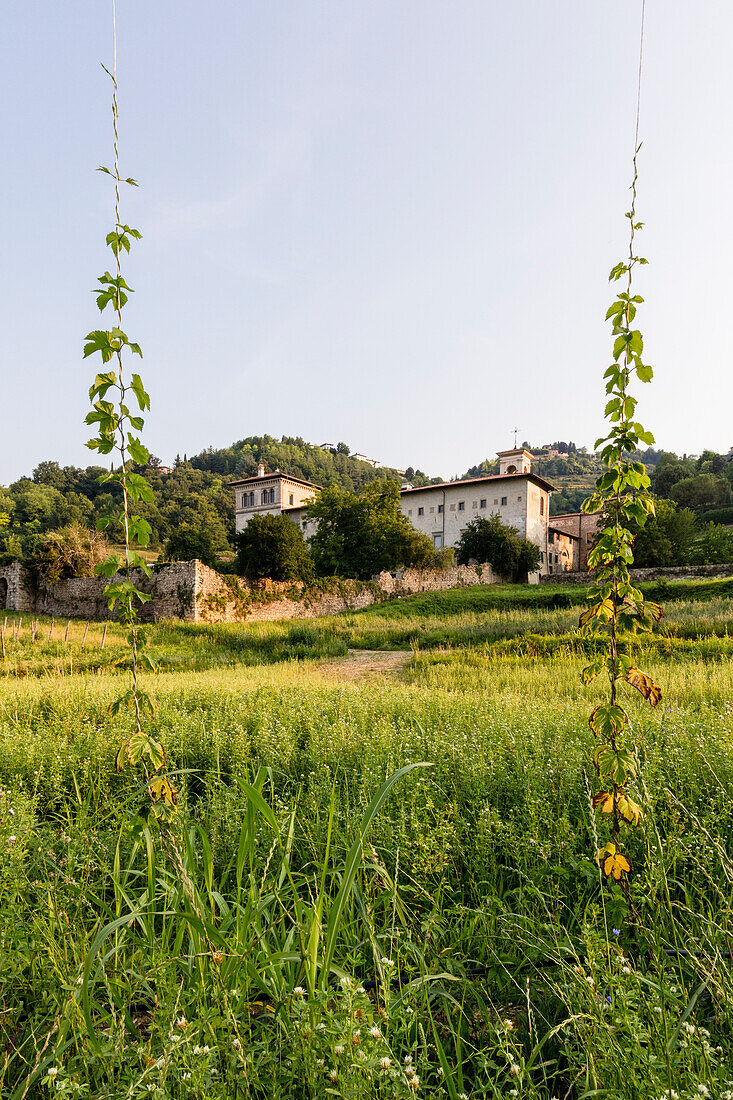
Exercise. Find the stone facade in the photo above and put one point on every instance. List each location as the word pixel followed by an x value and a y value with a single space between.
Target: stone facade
pixel 16 590
pixel 584 527
pixel 563 550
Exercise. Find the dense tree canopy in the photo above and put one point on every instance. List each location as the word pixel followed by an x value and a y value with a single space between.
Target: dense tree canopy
pixel 273 546
pixel 360 534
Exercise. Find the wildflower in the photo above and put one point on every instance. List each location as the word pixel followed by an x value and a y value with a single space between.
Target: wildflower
pixel 218 958
pixel 409 1073
pixel 356 1037
pixel 589 979
pixel 703 1090
pixel 11 839
pixel 616 931
pixel 345 982
pixel 320 1062
pixel 625 969
pixel 333 1075
pixel 299 991
pixel 385 1063
pixel 414 1083
pixel 360 989
pixel 53 1070
pixel 375 1032
pixel 508 1025
pixel 338 1049
pixel 408 1059
pixel 387 962
pixel 236 1043
pixel 181 1022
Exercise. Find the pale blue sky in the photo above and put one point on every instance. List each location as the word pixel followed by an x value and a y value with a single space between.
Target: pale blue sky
pixel 383 221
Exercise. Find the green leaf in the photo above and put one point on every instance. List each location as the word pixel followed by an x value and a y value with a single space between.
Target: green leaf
pixel 608 720
pixel 138 389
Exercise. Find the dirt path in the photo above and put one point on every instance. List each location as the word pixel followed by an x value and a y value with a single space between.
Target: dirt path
pixel 367 662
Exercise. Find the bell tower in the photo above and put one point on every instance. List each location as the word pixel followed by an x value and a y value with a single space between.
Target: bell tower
pixel 516 461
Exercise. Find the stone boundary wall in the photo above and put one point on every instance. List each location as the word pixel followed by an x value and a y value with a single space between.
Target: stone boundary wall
pixel 227 599
pixel 171 588
pixel 670 573
pixel 193 592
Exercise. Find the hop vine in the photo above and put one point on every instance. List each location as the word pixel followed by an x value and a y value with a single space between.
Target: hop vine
pixel 119 400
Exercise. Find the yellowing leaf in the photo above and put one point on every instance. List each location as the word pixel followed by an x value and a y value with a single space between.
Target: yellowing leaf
pixel 120 757
pixel 607 721
pixel 161 789
pixel 644 684
pixel 629 810
pixel 603 801
pixel 141 744
pixel 614 863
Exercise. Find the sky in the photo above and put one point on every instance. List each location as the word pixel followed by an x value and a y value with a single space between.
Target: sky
pixel 384 223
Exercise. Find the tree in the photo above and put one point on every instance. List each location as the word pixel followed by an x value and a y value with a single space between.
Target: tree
pixel 273 546
pixel 713 546
pixel 695 492
pixel 342 449
pixel 666 538
pixel 490 540
pixel 360 534
pixel 189 541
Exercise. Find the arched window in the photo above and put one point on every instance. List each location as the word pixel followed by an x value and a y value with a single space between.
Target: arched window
pixel 272 496
pixel 252 499
pixel 264 496
pixel 291 498
pixel 511 469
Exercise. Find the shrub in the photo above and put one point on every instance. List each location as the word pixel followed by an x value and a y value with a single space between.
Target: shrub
pixel 72 551
pixel 508 554
pixel 190 541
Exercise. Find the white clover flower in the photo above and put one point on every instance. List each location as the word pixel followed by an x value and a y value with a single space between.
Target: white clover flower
pixel 236 1043
pixel 589 979
pixel 408 1059
pixel 508 1025
pixel 299 991
pixel 333 1075
pixel 385 1063
pixel 375 1032
pixel 338 1049
pixel 345 982
pixel 414 1083
pixel 387 962
pixel 181 1022
pixel 52 1071
pixel 703 1090
pixel 11 839
pixel 625 969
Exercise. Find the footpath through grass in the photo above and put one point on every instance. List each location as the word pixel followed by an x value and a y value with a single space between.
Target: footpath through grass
pixel 292 935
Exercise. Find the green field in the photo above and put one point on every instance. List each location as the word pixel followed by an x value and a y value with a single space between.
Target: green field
pixel 451 937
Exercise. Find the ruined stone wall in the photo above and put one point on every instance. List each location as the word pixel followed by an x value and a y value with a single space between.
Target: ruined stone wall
pixel 16 590
pixel 193 592
pixel 229 599
pixel 171 588
pixel 670 573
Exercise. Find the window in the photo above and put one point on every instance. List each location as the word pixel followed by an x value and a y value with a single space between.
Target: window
pixel 483 503
pixel 461 505
pixel 438 542
pixel 496 500
pixel 503 500
pixel 263 499
pixel 244 500
pixel 440 508
pixel 252 499
pixel 291 498
pixel 542 506
pixel 452 507
pixel 421 511
pixel 542 555
pixel 519 497
pixel 272 496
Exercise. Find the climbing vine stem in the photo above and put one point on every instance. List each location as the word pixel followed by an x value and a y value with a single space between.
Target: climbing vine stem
pixel 617 611
pixel 118 399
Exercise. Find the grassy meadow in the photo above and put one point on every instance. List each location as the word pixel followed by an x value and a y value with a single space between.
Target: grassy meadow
pixel 375 885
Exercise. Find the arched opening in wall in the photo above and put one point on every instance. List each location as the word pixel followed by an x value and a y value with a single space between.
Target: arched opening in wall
pixel 511 469
pixel 3 594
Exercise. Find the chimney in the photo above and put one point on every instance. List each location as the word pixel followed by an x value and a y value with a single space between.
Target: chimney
pixel 261 469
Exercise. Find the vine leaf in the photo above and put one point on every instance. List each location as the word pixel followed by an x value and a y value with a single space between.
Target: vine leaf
pixel 614 863
pixel 608 720
pixel 643 683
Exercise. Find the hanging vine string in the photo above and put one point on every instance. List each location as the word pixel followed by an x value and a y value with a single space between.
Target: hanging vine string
pixel 618 610
pixel 116 425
